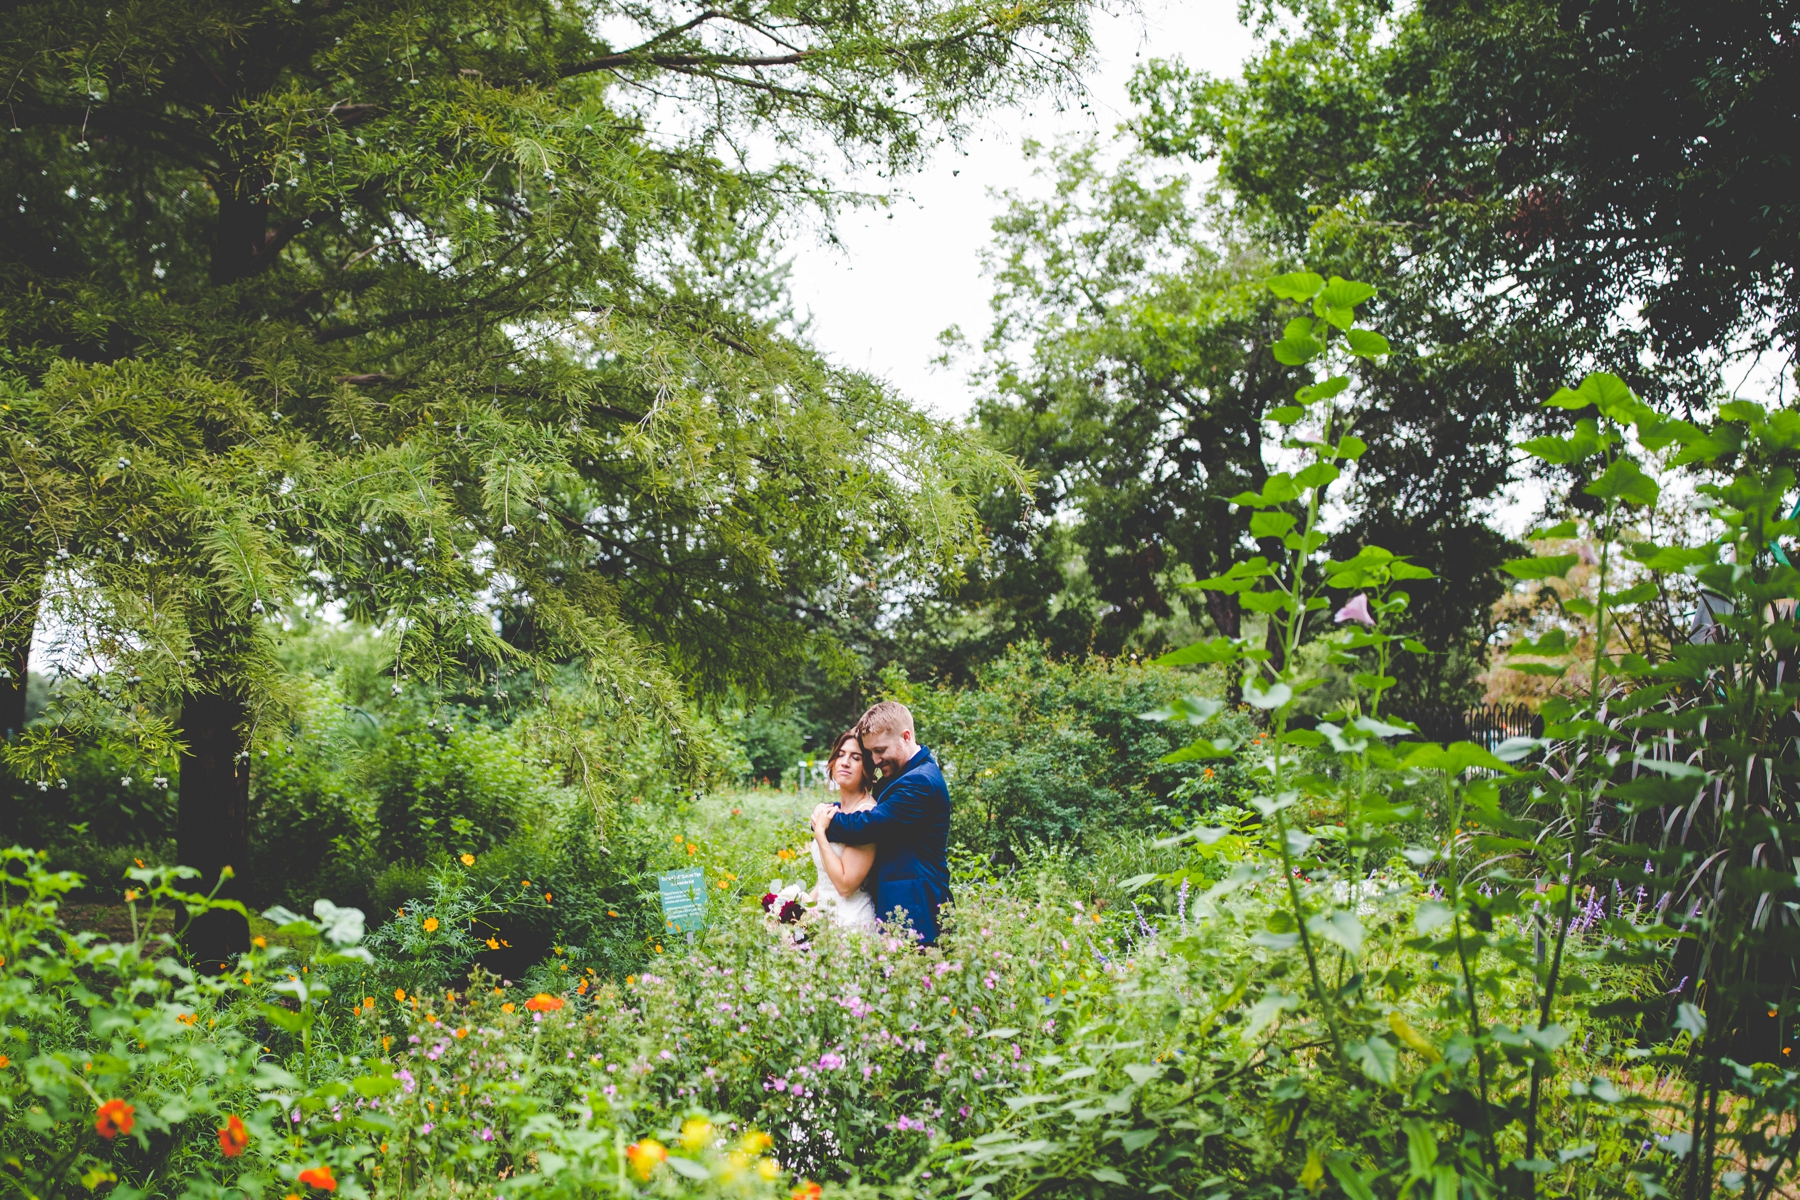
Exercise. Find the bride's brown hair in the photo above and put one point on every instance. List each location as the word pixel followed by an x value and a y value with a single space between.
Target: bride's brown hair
pixel 837 748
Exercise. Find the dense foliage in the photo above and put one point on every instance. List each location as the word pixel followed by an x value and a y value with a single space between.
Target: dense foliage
pixel 432 314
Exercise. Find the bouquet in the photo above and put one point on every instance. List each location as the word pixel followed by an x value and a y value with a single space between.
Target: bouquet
pixel 785 904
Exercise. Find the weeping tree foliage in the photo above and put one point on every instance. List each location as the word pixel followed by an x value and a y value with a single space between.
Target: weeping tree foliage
pixel 451 315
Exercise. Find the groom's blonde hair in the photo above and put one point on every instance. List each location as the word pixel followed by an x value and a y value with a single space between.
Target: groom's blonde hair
pixel 889 716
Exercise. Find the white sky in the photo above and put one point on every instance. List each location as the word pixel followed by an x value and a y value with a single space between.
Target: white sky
pixel 880 298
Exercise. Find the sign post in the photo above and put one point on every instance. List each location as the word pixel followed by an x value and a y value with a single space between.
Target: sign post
pixel 683 900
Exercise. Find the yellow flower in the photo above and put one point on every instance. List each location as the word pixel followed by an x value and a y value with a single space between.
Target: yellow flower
pixel 756 1141
pixel 507 1007
pixel 431 924
pixel 261 943
pixel 696 1132
pixel 400 993
pixel 468 860
pixel 768 1169
pixel 493 943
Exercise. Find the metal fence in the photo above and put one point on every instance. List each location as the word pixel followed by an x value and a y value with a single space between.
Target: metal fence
pixel 1486 724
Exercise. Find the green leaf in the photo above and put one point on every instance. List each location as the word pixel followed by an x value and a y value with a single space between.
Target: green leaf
pixel 1323 390
pixel 1274 941
pixel 1301 285
pixel 1366 343
pixel 1297 352
pixel 1277 695
pixel 1344 293
pixel 1351 447
pixel 1243 574
pixel 1455 758
pixel 1271 524
pixel 1406 570
pixel 1220 649
pixel 1355 1185
pixel 1549 566
pixel 1537 668
pixel 1317 475
pixel 688 1167
pixel 1277 489
pixel 1624 481
pixel 1108 1175
pixel 1286 415
pixel 282 1018
pixel 1343 928
pixel 1563 529
pixel 1379 1060
pixel 1431 915
pixel 1672 558
pixel 1203 749
pixel 1195 710
pixel 1638 593
pixel 1576 447
pixel 1266 602
pixel 1556 641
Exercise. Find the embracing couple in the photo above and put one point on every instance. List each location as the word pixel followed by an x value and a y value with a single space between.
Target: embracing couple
pixel 881 850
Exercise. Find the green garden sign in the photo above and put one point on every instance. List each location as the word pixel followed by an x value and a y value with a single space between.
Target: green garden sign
pixel 683 899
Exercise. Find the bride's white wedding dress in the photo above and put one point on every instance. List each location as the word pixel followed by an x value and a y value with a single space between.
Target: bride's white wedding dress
pixel 857 910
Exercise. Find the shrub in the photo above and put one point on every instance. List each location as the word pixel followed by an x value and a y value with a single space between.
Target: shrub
pixel 1043 749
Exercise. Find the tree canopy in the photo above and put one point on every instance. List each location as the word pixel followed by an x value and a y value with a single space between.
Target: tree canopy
pixel 450 315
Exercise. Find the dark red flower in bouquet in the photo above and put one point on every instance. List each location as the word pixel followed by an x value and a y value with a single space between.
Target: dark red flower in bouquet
pixel 768 900
pixel 792 911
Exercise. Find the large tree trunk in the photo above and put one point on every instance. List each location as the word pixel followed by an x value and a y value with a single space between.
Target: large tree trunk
pixel 15 657
pixel 17 627
pixel 213 820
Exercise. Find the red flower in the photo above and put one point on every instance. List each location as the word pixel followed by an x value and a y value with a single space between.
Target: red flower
pixel 319 1177
pixel 544 1002
pixel 768 901
pixel 114 1118
pixel 233 1137
pixel 807 1190
pixel 792 911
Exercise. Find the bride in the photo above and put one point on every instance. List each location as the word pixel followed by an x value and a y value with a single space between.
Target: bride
pixel 842 869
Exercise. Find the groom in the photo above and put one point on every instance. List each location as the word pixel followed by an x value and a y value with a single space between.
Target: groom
pixel 910 823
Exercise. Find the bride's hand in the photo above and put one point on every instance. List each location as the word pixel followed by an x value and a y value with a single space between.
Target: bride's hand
pixel 821 817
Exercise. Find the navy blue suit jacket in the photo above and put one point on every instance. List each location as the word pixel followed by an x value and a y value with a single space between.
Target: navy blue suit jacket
pixel 910 826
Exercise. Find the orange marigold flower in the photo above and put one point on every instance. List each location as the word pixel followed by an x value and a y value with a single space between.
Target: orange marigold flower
pixel 646 1156
pixel 582 988
pixel 319 1177
pixel 233 1138
pixel 400 993
pixel 431 924
pixel 808 1190
pixel 544 1002
pixel 260 942
pixel 114 1118
pixel 5 1062
pixel 468 860
pixel 507 1007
